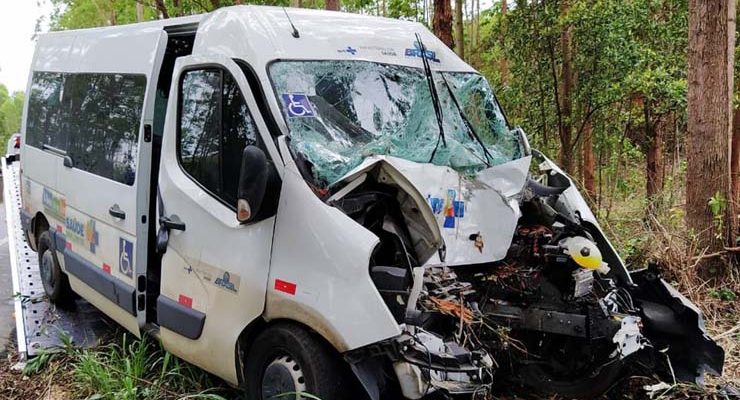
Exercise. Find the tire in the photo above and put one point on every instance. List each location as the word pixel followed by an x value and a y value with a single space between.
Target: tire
pixel 287 358
pixel 56 283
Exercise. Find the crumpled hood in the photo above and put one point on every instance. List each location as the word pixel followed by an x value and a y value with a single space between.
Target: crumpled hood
pixel 477 215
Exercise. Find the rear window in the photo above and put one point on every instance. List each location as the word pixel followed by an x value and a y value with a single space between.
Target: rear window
pixel 94 118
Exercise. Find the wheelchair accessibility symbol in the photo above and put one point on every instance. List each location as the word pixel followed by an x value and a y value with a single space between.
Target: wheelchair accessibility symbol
pixel 125 257
pixel 297 105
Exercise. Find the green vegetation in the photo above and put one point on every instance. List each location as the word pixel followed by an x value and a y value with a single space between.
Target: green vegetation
pixel 11 110
pixel 125 368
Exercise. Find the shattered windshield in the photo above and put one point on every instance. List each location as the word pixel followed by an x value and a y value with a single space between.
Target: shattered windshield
pixel 341 112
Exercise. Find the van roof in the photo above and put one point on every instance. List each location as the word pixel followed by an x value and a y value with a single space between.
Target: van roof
pixel 261 34
pixel 256 34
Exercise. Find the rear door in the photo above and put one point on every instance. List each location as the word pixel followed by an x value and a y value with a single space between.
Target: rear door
pixel 106 174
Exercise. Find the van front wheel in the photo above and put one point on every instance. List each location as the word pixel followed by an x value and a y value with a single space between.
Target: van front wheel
pixel 56 284
pixel 286 360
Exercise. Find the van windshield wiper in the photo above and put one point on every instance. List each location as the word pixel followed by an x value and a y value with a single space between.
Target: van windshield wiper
pixel 471 129
pixel 433 94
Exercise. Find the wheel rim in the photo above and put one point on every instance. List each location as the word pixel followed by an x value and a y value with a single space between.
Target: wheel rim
pixel 282 375
pixel 46 269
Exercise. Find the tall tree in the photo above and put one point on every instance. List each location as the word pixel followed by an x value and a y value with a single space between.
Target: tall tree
pixel 710 77
pixel 332 5
pixel 459 32
pixel 442 22
pixel 735 159
pixel 589 163
pixel 654 137
pixel 566 90
pixel 504 62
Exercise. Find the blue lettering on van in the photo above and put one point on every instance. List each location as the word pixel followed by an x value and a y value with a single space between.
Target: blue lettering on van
pixel 74 226
pixel 125 257
pixel 417 52
pixel 85 234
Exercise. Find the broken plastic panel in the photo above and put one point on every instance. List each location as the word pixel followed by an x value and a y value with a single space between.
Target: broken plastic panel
pixel 341 112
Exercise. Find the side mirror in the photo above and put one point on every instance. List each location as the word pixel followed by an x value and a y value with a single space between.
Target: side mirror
pixel 253 176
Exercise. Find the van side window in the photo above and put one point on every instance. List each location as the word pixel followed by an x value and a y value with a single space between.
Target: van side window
pixel 104 134
pixel 214 127
pixel 199 126
pixel 44 124
pixel 94 117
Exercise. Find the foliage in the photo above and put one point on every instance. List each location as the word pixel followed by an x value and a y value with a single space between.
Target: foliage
pixel 717 205
pixel 136 369
pixel 723 294
pixel 38 363
pixel 130 369
pixel 11 110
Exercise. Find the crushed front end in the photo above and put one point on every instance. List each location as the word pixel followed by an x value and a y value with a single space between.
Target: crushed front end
pixel 552 315
pixel 488 258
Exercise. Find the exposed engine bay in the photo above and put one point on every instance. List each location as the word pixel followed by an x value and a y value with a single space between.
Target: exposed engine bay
pixel 554 315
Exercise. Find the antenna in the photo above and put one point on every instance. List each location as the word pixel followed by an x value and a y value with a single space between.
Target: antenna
pixel 295 31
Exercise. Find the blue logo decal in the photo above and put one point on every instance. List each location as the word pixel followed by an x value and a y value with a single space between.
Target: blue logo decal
pixel 297 105
pixel 416 52
pixel 449 207
pixel 225 282
pixel 125 257
pixel 349 50
pixel 436 203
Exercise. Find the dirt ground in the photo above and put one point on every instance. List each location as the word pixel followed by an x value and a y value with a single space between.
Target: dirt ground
pixel 55 383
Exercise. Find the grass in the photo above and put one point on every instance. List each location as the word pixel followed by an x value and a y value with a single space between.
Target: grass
pixel 663 238
pixel 126 368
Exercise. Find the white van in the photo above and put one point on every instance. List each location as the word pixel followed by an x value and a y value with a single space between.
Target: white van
pixel 309 201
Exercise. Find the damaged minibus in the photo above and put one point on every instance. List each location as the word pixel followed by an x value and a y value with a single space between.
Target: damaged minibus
pixel 304 201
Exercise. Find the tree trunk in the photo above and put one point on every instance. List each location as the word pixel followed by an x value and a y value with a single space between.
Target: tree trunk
pixel 459 33
pixel 332 5
pixel 139 12
pixel 477 28
pixel 589 164
pixel 504 62
pixel 566 89
pixel 710 64
pixel 162 8
pixel 442 22
pixel 654 136
pixel 735 163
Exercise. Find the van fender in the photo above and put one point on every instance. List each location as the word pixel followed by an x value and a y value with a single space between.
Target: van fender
pixel 319 271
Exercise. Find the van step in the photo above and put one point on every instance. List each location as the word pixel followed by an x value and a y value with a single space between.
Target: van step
pixel 41 325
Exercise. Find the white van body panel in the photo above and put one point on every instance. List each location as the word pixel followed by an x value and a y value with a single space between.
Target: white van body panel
pixel 89 229
pixel 319 270
pixel 214 249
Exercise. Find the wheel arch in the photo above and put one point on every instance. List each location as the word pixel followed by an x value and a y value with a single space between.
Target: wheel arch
pixel 259 325
pixel 39 224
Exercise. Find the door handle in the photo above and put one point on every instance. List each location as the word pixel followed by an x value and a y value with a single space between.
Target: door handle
pixel 172 223
pixel 116 212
